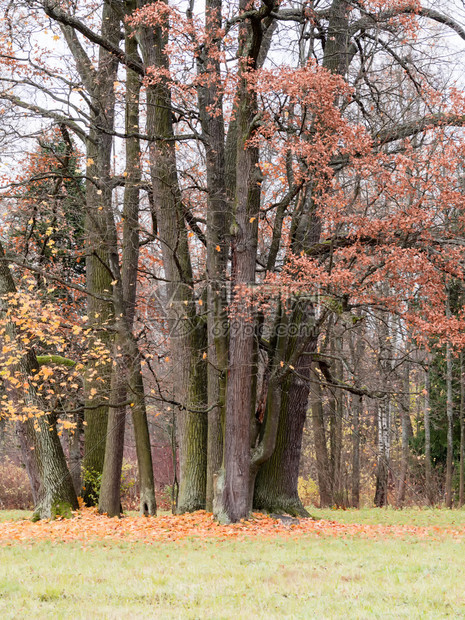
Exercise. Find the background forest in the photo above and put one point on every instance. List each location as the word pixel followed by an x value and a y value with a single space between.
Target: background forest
pixel 232 253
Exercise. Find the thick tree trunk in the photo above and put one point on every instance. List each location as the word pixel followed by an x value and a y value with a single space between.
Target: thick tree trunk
pixel 277 480
pixel 26 444
pixel 234 493
pixel 240 400
pixel 187 329
pixel 218 215
pixel 100 85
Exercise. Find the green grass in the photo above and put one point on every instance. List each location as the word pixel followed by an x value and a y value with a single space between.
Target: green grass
pixel 437 517
pixel 279 578
pixel 15 515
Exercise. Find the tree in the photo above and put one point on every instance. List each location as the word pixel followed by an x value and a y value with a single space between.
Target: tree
pixel 286 198
pixel 56 494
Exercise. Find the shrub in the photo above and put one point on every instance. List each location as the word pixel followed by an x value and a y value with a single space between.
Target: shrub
pixel 308 491
pixel 15 490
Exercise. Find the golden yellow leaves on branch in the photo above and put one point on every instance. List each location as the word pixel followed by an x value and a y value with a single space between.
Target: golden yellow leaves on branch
pixel 62 347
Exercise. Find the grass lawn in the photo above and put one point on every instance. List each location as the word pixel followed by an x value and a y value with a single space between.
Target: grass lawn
pixel 307 577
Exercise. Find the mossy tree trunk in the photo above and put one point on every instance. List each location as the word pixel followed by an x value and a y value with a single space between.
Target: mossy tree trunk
pixel 187 327
pixel 217 238
pixel 277 480
pixel 99 84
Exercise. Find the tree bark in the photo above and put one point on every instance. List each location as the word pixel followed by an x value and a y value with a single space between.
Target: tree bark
pixel 321 449
pixel 234 493
pixel 129 273
pixel 427 423
pixel 384 447
pixel 357 408
pixel 187 328
pixel 110 490
pixel 75 457
pixel 335 407
pixel 405 428
pixel 277 480
pixel 100 85
pixel 462 432
pixel 450 422
pixel 218 216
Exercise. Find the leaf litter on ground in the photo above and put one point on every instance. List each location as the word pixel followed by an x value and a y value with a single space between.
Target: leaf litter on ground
pixel 87 525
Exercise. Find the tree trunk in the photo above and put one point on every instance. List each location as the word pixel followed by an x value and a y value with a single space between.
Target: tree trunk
pixel 187 329
pixel 357 408
pixel 148 504
pixel 129 273
pixel 384 447
pixel 26 444
pixel 75 457
pixel 335 407
pixel 100 85
pixel 233 498
pixel 321 450
pixel 427 423
pixel 462 432
pixel 277 480
pixel 110 490
pixel 405 428
pixel 450 422
pixel 218 216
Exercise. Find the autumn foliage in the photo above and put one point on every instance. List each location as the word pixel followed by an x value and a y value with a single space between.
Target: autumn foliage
pixel 88 526
pixel 261 190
